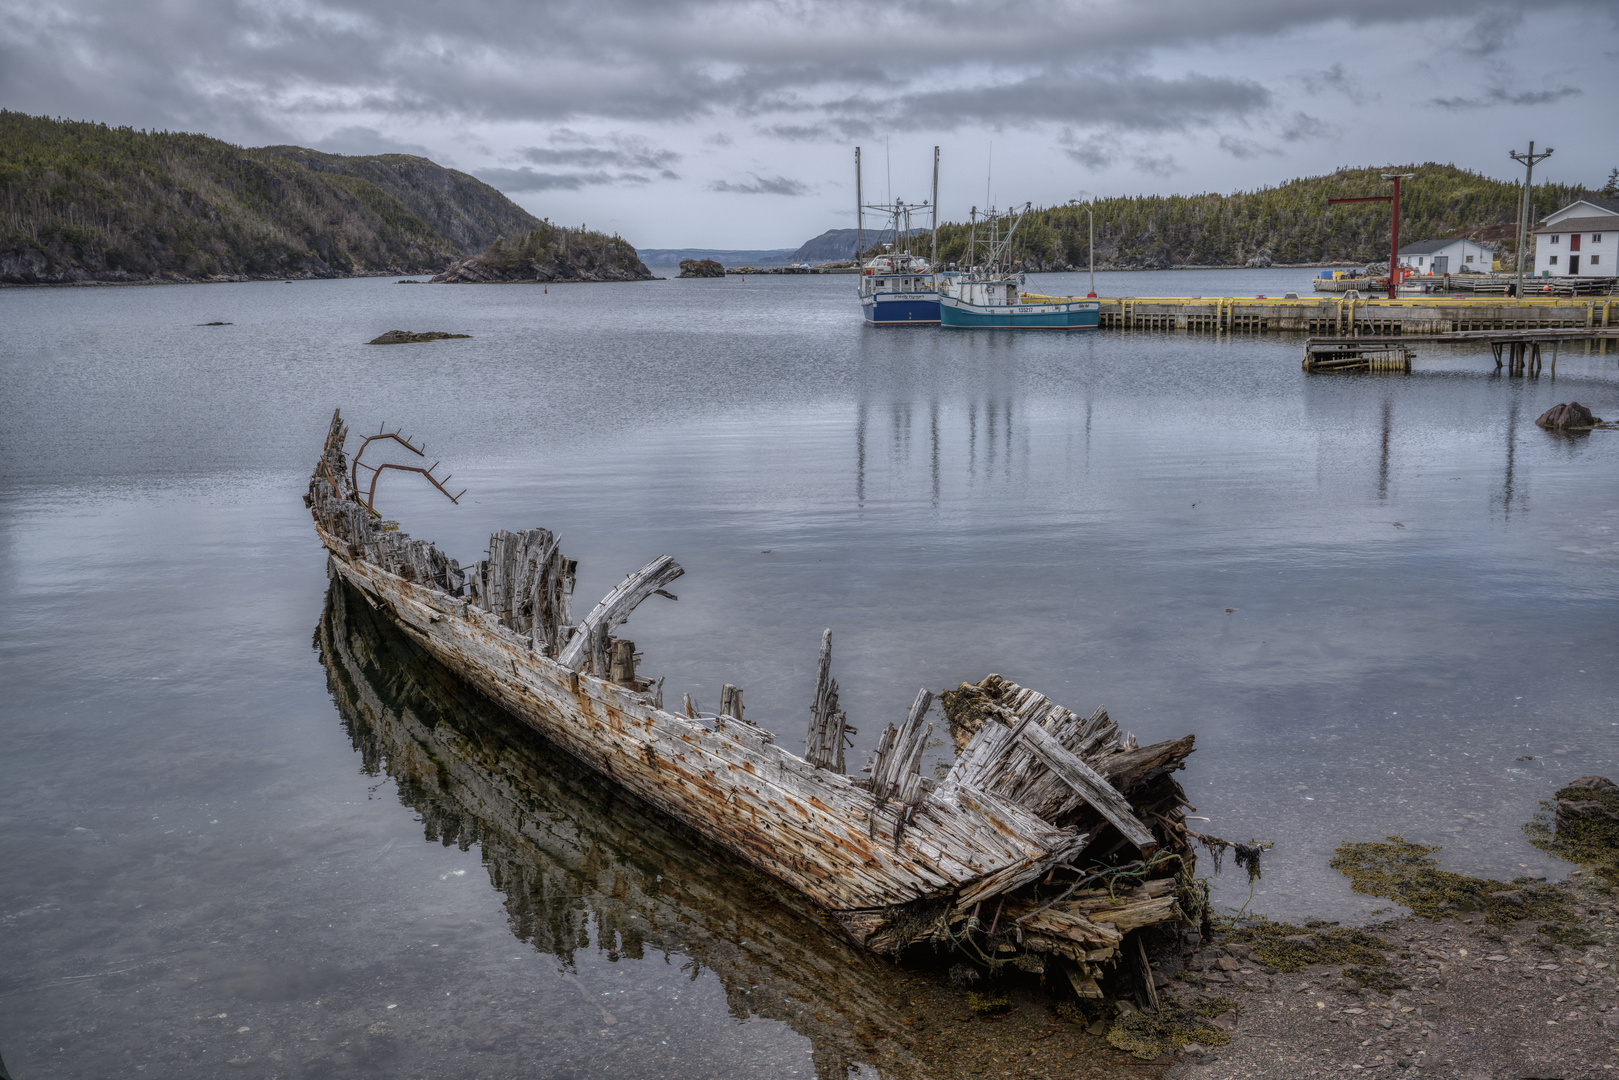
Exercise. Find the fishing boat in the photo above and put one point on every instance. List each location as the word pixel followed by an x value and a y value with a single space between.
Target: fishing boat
pixel 989 294
pixel 897 286
pixel 898 289
pixel 1052 836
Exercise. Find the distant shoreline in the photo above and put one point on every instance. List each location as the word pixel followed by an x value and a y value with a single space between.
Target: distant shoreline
pixel 309 277
pixel 582 281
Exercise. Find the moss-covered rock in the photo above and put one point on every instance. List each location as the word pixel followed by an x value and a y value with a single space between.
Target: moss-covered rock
pixel 1149 1035
pixel 1286 947
pixel 1581 824
pixel 1407 872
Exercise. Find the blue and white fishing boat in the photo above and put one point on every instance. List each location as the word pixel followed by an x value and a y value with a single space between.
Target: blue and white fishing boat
pixel 898 286
pixel 990 296
pixel 899 290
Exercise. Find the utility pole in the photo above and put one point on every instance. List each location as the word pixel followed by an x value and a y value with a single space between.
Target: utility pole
pixel 1525 204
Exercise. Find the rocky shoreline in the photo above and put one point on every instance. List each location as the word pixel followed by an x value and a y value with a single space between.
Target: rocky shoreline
pixel 1484 980
pixel 89 281
pixel 1460 997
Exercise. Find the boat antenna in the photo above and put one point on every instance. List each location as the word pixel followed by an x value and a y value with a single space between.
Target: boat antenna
pixel 859 212
pixel 934 257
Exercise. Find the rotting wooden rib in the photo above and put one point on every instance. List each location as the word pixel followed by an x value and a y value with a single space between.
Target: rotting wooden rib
pixel 896 858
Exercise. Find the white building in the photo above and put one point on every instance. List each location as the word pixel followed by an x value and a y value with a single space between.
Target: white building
pixel 1580 240
pixel 1458 255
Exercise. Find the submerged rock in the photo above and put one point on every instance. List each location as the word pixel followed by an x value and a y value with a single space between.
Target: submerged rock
pixel 1571 415
pixel 406 337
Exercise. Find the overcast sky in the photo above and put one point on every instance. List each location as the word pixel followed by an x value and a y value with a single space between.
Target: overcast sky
pixel 733 124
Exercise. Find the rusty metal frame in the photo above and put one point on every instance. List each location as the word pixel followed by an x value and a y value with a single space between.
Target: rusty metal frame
pixel 377 470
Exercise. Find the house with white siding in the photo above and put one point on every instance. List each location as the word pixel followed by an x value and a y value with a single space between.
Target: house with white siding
pixel 1580 240
pixel 1457 255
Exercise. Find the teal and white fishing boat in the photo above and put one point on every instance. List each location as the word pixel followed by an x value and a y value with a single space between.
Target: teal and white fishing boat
pixel 988 294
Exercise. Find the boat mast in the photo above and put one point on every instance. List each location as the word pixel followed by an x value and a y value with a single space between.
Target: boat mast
pixel 972 240
pixel 934 256
pixel 859 211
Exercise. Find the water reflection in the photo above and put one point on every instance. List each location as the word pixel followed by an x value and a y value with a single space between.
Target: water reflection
pixel 1507 490
pixel 582 865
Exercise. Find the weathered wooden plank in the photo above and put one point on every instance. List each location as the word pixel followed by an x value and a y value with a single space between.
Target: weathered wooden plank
pixel 616 606
pixel 1086 781
pixel 824 746
pixel 1130 915
pixel 900 753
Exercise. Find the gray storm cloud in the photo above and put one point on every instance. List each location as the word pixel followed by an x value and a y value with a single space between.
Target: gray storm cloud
pixel 570 104
pixel 255 67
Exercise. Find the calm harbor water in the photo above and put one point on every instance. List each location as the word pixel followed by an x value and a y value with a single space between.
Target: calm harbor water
pixel 240 823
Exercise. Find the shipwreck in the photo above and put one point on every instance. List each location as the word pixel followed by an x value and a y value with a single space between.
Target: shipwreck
pixel 1053 841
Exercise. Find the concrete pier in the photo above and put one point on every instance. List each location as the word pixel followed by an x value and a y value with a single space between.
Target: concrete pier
pixel 1336 316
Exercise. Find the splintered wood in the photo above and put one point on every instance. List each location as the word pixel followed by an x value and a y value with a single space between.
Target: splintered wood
pixel 1049 837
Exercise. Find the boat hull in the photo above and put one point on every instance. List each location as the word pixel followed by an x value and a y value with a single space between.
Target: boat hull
pixel 901 309
pixel 1075 315
pixel 724 777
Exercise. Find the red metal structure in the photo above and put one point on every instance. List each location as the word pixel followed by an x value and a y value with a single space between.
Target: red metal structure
pixel 1394 243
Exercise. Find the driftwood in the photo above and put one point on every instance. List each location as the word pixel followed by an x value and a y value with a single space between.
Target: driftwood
pixel 992 859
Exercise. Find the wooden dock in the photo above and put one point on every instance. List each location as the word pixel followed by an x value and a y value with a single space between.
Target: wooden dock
pixel 1517 350
pixel 1346 316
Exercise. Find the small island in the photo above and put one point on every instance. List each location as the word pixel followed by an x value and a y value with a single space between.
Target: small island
pixel 701 268
pixel 551 254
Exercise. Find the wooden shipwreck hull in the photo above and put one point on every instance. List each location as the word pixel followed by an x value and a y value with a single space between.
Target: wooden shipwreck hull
pixel 579 861
pixel 1050 836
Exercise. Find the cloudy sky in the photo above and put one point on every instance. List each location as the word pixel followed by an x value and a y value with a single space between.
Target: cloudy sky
pixel 733 124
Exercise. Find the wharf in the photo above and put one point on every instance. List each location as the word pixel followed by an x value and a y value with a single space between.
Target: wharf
pixel 1519 350
pixel 1337 316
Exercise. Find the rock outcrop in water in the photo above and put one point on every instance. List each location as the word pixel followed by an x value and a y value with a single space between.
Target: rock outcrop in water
pixel 551 253
pixel 1570 415
pixel 406 337
pixel 701 268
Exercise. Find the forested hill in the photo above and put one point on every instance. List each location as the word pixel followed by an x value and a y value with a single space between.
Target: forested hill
pixel 1291 223
pixel 85 202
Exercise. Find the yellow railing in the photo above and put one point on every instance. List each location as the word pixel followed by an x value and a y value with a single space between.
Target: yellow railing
pixel 1383 301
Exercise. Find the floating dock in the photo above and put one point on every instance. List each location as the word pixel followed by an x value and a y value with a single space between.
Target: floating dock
pixel 1344 316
